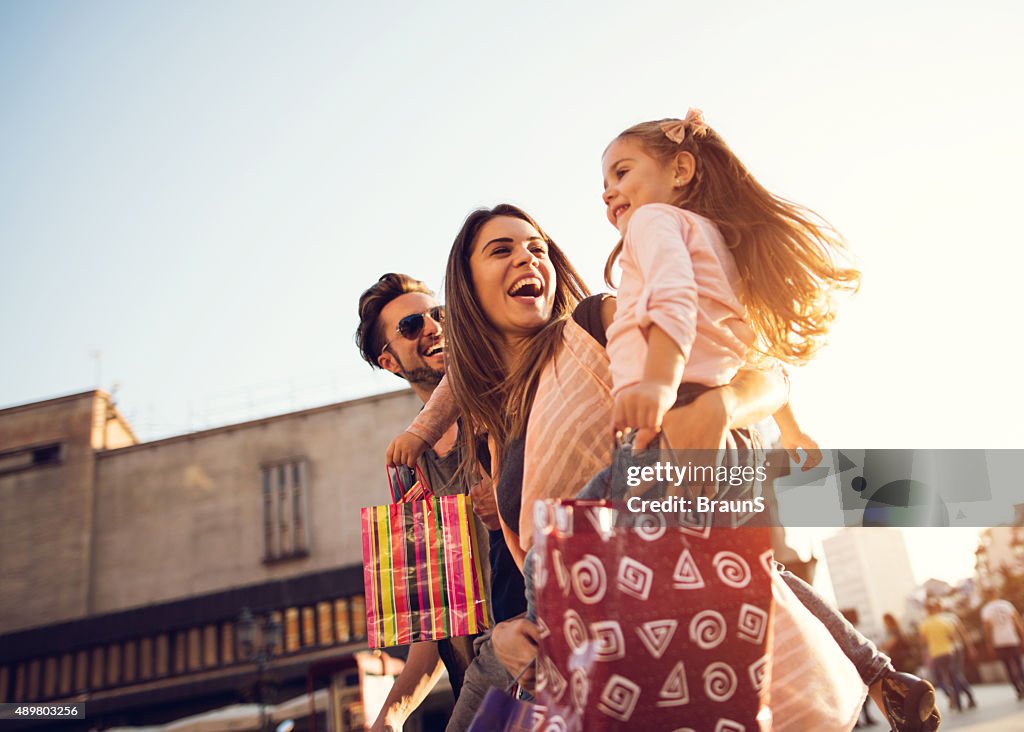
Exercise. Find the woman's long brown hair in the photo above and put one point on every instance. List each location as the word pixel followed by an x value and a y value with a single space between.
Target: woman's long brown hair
pixel 493 399
pixel 792 262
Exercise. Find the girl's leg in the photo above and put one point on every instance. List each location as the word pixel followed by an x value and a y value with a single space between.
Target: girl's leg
pixel 908 702
pixel 870 662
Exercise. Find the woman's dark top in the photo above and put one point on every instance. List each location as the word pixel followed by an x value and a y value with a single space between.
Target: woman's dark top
pixel 508 593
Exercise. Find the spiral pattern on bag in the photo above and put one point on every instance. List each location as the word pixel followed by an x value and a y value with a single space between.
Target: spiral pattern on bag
pixel 635 578
pixel 758 672
pixel 732 569
pixel 580 687
pixel 752 624
pixel 707 629
pixel 609 643
pixel 589 581
pixel 650 526
pixel 618 700
pixel 575 631
pixel 719 682
pixel 556 724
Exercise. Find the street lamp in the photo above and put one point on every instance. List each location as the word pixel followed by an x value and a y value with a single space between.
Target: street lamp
pixel 258 641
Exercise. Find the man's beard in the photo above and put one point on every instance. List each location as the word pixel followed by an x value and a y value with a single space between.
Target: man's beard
pixel 423 375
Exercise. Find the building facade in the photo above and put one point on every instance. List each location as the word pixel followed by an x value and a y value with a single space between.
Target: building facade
pixel 126 565
pixel 871 575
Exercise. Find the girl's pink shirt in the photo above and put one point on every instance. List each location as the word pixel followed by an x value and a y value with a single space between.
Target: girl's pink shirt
pixel 678 274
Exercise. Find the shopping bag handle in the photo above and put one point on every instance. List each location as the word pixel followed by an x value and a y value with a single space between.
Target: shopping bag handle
pixel 510 689
pixel 398 496
pixel 626 439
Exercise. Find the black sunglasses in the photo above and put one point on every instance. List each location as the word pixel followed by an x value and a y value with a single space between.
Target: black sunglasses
pixel 411 326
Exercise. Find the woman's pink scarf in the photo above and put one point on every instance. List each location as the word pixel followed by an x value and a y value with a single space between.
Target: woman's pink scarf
pixel 568 436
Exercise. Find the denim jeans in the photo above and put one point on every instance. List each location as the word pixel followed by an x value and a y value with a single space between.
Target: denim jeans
pixel 483 673
pixel 951 679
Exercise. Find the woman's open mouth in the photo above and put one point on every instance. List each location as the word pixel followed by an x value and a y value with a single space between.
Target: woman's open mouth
pixel 618 211
pixel 529 287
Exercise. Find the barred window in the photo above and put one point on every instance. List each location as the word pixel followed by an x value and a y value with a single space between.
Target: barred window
pixel 285 510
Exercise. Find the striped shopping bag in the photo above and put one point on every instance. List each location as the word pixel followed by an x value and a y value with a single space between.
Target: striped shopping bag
pixel 422 572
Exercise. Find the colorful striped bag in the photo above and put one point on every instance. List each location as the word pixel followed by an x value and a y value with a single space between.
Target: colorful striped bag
pixel 422 572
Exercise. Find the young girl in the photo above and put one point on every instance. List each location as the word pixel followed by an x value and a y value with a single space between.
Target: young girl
pixel 714 268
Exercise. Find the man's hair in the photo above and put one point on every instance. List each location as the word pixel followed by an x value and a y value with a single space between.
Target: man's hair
pixel 370 337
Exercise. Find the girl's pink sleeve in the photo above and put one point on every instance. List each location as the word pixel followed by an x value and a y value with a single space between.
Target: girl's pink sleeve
pixel 668 298
pixel 439 413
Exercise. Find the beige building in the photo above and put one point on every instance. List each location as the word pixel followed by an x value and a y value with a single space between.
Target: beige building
pixel 871 575
pixel 125 565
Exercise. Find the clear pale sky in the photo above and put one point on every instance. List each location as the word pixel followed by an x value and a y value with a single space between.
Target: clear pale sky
pixel 201 190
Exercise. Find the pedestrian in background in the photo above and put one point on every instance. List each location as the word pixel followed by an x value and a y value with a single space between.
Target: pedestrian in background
pixel 941 634
pixel 1004 631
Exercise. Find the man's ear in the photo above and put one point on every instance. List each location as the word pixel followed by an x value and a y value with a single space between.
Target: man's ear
pixel 389 363
pixel 685 168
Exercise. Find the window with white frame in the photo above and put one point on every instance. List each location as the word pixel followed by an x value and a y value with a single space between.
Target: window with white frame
pixel 285 509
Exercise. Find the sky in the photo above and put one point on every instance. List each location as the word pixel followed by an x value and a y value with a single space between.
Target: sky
pixel 192 195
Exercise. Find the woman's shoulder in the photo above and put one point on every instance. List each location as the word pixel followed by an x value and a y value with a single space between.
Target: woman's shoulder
pixel 590 315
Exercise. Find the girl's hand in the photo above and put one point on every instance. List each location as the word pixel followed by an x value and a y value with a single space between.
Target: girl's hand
pixel 405 450
pixel 515 644
pixel 791 441
pixel 642 406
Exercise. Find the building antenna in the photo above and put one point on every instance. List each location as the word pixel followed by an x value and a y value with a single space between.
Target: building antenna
pixel 97 356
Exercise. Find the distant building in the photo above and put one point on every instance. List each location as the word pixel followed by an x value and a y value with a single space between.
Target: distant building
pixel 871 575
pixel 125 566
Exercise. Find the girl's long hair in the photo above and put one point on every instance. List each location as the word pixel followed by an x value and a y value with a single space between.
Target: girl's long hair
pixel 791 261
pixel 493 399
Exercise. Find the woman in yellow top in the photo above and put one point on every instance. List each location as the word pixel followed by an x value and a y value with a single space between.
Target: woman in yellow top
pixel 942 634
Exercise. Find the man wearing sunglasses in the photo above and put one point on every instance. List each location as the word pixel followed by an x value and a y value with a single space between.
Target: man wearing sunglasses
pixel 401 330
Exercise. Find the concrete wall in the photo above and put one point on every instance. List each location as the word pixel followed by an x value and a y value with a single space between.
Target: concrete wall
pixel 184 516
pixel 46 514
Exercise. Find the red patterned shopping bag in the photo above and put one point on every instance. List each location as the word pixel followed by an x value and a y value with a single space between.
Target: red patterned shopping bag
pixel 422 572
pixel 651 621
